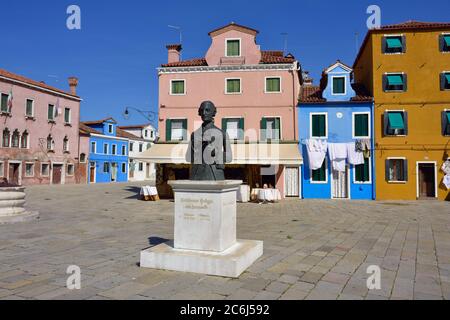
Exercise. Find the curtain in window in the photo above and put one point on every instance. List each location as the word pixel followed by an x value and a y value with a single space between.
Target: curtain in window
pixel 233 86
pixel 177 87
pixel 233 48
pixel 273 85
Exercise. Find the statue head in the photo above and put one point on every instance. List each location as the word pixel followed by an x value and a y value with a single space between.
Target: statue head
pixel 207 111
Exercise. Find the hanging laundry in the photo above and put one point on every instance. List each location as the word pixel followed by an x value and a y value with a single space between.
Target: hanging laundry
pixel 446 167
pixel 446 181
pixel 338 156
pixel 354 157
pixel 364 146
pixel 317 151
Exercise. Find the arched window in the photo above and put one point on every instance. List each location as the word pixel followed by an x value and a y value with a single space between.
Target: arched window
pixel 50 143
pixel 24 140
pixel 82 157
pixel 66 144
pixel 6 137
pixel 15 139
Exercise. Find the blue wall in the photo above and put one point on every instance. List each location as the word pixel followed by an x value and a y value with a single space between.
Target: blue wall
pixel 340 130
pixel 100 158
pixel 327 94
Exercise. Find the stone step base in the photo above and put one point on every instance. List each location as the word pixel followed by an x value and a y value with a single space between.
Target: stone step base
pixel 230 263
pixel 17 218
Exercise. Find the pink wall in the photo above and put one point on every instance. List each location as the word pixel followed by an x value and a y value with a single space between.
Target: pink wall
pixel 38 129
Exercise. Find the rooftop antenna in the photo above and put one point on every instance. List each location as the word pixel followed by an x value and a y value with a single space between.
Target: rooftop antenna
pixel 179 30
pixel 285 36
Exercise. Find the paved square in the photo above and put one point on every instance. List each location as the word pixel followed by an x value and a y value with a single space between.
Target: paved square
pixel 312 249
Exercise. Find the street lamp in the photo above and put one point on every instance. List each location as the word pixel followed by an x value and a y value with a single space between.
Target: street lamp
pixel 151 116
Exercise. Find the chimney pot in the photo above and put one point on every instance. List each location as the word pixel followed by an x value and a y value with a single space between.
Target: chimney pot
pixel 174 52
pixel 73 83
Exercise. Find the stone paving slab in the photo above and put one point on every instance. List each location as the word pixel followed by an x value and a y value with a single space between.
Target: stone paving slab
pixel 313 250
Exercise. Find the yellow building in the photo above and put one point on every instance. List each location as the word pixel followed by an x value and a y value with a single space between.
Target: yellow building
pixel 406 68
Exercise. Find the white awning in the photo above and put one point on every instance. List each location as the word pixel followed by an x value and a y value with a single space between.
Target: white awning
pixel 253 153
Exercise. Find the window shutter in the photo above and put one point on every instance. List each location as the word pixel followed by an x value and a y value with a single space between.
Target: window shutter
pixel 404 44
pixel 444 122
pixel 385 123
pixel 322 126
pixel 405 170
pixel 278 127
pixel 387 170
pixel 383 44
pixel 241 128
pixel 263 129
pixel 405 120
pixel 384 80
pixel 185 125
pixel 168 130
pixel 441 43
pixel 405 82
pixel 442 78
pixel 224 124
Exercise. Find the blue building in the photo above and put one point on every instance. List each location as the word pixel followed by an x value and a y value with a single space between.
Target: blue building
pixel 336 115
pixel 108 152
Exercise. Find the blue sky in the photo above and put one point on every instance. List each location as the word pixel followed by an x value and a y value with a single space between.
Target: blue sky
pixel 121 43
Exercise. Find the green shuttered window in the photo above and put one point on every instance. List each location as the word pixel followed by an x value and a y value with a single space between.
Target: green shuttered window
pixel 176 130
pixel 320 175
pixel 362 172
pixel 4 103
pixel 361 122
pixel 319 126
pixel 29 108
pixel 339 85
pixel 51 112
pixel 394 44
pixel 396 120
pixel 270 129
pixel 233 48
pixel 178 87
pixel 273 85
pixel 233 85
pixel 234 128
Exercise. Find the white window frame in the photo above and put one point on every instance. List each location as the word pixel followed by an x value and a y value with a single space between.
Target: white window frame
pixel 32 164
pixel 394 36
pixel 332 85
pixel 369 125
pixel 110 128
pixel 124 150
pixel 109 167
pixel 239 119
pixel 171 128
pixel 370 174
pixel 114 146
pixel 273 92
pixel 395 73
pixel 131 146
pixel 93 143
pixel 397 135
pixel 2 169
pixel 32 108
pixel 53 113
pixel 42 172
pixel 311 114
pixel 139 167
pixel 122 166
pixel 436 181
pixel 4 112
pixel 398 182
pixel 233 93
pixel 107 148
pixel 311 181
pixel 85 157
pixel 226 47
pixel 68 145
pixel 67 170
pixel 70 115
pixel 28 140
pixel 171 87
pixel 444 34
pixel 141 147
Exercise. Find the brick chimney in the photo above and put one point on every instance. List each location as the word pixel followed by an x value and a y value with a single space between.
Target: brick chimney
pixel 73 83
pixel 174 52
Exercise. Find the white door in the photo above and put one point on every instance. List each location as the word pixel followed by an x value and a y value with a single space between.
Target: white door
pixel 291 179
pixel 340 184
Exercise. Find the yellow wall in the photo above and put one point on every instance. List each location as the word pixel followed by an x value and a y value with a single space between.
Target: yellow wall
pixel 423 100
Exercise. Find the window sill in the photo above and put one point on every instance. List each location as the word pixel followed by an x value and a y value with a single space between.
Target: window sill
pixel 397 182
pixel 31 118
pixel 50 151
pixel 67 124
pixel 6 114
pixel 394 91
pixel 393 53
pixel 66 152
pixel 51 121
pixel 395 136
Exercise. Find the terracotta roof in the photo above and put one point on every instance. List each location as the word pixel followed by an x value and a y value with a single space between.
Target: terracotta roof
pixel 13 76
pixel 200 62
pixel 313 94
pixel 406 26
pixel 84 129
pixel 123 134
pixel 233 25
pixel 96 122
pixel 272 57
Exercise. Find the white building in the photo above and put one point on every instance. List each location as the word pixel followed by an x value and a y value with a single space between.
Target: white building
pixel 142 138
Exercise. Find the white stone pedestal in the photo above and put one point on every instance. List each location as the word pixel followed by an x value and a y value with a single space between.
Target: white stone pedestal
pixel 205 232
pixel 12 210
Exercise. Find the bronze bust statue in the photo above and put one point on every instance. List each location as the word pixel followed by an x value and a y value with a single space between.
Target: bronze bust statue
pixel 209 148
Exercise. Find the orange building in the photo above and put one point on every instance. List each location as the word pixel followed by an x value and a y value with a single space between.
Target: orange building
pixel 406 67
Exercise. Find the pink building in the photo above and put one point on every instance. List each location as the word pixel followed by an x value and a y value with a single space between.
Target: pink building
pixel 256 93
pixel 39 125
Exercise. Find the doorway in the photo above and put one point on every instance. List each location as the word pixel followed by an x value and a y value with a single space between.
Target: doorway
pixel 92 172
pixel 291 179
pixel 426 180
pixel 340 185
pixel 57 174
pixel 14 173
pixel 114 172
pixel 147 170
